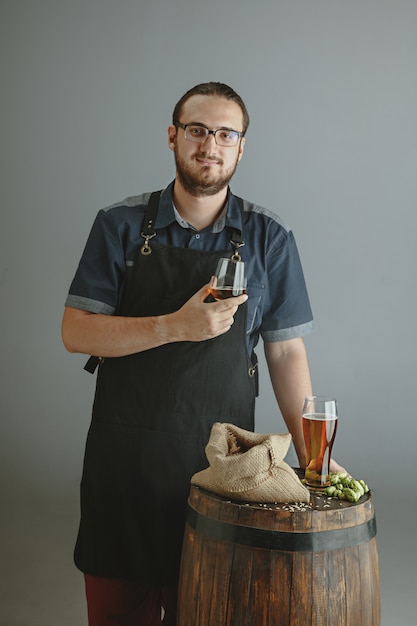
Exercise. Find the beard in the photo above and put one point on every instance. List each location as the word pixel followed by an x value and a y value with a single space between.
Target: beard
pixel 202 183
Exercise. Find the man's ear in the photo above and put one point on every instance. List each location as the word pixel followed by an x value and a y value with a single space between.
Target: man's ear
pixel 241 148
pixel 172 134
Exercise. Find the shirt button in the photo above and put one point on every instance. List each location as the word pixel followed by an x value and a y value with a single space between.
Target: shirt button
pixel 197 236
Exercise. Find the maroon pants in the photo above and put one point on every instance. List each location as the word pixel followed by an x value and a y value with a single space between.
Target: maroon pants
pixel 115 602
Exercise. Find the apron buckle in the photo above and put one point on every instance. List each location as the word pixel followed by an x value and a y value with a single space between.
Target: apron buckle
pixel 146 248
pixel 237 244
pixel 252 370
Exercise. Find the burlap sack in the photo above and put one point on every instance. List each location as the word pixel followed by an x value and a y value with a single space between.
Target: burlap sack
pixel 248 466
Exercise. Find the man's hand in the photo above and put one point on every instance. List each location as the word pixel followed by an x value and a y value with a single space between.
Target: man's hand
pixel 198 320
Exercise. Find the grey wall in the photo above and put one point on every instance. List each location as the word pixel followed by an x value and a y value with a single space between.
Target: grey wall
pixel 88 87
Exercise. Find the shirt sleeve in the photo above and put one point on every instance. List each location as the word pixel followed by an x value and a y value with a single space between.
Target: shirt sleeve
pixel 287 312
pixel 99 277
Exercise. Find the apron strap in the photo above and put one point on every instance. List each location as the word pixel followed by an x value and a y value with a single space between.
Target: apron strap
pixel 150 215
pixel 148 230
pixel 237 235
pixel 92 364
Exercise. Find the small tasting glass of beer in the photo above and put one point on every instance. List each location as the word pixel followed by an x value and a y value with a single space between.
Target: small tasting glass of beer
pixel 230 279
pixel 320 420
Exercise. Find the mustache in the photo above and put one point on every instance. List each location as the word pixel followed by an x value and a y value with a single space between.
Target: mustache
pixel 208 157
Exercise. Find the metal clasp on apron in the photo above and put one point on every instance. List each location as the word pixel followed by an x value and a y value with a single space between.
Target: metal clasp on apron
pixel 146 248
pixel 252 370
pixel 237 244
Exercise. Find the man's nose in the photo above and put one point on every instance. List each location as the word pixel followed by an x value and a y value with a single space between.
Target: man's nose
pixel 209 141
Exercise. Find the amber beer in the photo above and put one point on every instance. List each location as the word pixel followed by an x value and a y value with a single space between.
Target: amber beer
pixel 319 430
pixel 221 293
pixel 230 279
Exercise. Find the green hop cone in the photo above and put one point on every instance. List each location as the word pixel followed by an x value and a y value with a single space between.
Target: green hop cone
pixel 351 495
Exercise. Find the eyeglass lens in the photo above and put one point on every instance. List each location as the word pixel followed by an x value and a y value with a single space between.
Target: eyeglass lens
pixel 222 136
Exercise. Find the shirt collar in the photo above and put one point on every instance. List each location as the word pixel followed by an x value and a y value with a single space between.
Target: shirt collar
pixel 167 214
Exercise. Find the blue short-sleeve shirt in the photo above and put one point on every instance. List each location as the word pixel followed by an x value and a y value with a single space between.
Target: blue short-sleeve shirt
pixel 278 303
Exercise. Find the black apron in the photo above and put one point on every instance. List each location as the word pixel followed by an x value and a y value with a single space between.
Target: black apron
pixel 152 416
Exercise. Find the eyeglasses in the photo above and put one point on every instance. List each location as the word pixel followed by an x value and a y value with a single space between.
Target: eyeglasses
pixel 198 134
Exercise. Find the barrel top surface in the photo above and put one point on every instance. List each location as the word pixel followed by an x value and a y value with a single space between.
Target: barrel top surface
pixel 318 502
pixel 321 513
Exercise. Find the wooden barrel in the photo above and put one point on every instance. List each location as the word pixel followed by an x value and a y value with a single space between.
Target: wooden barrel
pixel 279 564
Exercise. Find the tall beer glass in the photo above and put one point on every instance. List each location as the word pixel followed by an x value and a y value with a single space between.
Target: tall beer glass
pixel 320 421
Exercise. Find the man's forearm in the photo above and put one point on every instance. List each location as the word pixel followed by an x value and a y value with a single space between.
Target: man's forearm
pixel 290 378
pixel 111 336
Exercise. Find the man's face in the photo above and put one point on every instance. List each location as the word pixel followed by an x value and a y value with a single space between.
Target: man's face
pixel 204 169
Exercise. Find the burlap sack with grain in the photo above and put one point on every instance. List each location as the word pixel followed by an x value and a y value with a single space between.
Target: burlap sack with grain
pixel 249 467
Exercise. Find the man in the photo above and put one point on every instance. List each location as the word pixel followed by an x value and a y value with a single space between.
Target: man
pixel 172 360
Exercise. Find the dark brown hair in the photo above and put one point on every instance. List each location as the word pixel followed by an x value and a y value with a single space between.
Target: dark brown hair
pixel 212 89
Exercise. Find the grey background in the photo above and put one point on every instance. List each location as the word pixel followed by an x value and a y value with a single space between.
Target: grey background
pixel 88 88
